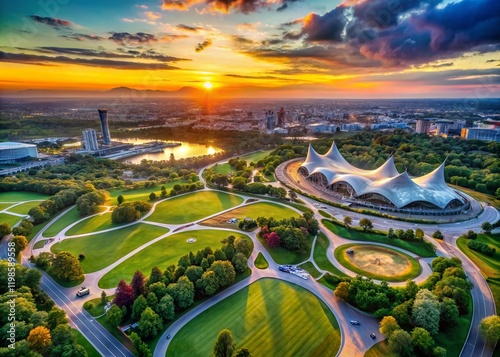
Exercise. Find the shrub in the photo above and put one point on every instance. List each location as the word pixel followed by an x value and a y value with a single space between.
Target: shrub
pixel 481 248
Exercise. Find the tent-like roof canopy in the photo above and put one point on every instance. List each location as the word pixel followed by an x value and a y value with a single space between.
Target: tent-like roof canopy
pixel 398 188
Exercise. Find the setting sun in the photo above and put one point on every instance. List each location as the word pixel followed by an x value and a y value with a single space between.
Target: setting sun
pixel 207 85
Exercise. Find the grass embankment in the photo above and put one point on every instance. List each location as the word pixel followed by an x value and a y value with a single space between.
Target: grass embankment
pixel 65 220
pixel 253 211
pixel 380 349
pixel 324 214
pixel 282 255
pixel 270 324
pixel 261 262
pixel 9 218
pixel 483 197
pixel 102 249
pixel 320 257
pixel 164 253
pixel 193 206
pixel 489 266
pixel 377 262
pixel 424 250
pixel 81 340
pixel 311 269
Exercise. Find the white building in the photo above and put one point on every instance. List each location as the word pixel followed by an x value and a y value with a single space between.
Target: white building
pixel 10 151
pixel 90 140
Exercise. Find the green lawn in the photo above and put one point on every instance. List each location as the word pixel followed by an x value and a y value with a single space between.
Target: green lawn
pixel 222 168
pixel 261 262
pixel 164 253
pixel 380 349
pixel 68 218
pixel 311 269
pixel 193 206
pixel 93 224
pixel 284 256
pixel 9 218
pixel 253 211
pixel 483 197
pixel 398 270
pixel 319 255
pixel 274 319
pixel 97 307
pixel 489 266
pixel 36 229
pixel 5 205
pixel 24 208
pixel 40 244
pixel 141 194
pixel 20 196
pixel 105 248
pixel 81 340
pixel 253 157
pixel 424 250
pixel 324 214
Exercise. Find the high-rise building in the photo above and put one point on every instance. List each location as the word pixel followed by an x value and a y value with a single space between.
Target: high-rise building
pixel 270 120
pixel 485 134
pixel 423 126
pixel 281 118
pixel 90 140
pixel 103 116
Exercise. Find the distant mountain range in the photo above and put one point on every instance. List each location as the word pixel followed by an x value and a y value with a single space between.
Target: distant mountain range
pixel 184 92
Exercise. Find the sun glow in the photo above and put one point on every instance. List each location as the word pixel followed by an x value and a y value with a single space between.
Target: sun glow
pixel 207 85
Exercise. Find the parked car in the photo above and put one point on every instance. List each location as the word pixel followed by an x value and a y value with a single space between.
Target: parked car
pixel 373 336
pixel 355 322
pixel 83 291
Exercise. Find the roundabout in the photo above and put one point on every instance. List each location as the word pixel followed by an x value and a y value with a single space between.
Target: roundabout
pixel 377 262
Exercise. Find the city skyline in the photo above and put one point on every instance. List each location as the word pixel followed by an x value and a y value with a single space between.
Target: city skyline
pixel 256 48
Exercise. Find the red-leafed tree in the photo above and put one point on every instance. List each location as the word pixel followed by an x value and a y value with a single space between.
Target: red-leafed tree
pixel 273 239
pixel 124 294
pixel 138 283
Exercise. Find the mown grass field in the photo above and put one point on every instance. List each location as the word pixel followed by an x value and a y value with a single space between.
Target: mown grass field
pixel 164 253
pixel 261 262
pixel 311 269
pixel 253 211
pixel 193 206
pixel 380 349
pixel 489 266
pixel 5 205
pixel 105 248
pixel 93 224
pixel 81 340
pixel 95 307
pixel 274 319
pixel 9 218
pixel 20 196
pixel 319 256
pixel 65 220
pixel 421 249
pixel 24 208
pixel 394 265
pixel 140 194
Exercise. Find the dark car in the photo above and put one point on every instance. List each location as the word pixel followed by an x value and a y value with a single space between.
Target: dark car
pixel 283 268
pixel 355 322
pixel 372 335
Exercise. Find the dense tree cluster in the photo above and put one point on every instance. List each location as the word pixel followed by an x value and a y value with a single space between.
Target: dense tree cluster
pixel 290 233
pixel 432 307
pixel 40 328
pixel 130 211
pixel 89 202
pixel 481 248
pixel 63 265
pixel 154 300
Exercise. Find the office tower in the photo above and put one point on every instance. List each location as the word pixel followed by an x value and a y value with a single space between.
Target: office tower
pixel 103 116
pixel 422 126
pixel 281 117
pixel 270 121
pixel 90 140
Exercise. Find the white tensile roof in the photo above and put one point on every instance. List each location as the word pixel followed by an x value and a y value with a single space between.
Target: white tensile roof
pixel 398 188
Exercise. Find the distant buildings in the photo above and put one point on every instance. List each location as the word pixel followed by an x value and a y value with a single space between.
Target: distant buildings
pixel 90 140
pixel 270 120
pixel 103 116
pixel 486 134
pixel 281 117
pixel 11 152
pixel 423 126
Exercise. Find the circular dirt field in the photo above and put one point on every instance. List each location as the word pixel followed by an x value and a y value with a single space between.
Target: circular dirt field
pixel 377 262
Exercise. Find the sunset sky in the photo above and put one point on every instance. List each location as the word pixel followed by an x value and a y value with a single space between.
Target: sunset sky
pixel 252 48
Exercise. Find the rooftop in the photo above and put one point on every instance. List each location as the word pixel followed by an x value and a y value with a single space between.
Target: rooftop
pixel 13 145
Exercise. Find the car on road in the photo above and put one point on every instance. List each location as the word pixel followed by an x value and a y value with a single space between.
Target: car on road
pixel 83 291
pixel 355 322
pixel 373 336
pixel 316 204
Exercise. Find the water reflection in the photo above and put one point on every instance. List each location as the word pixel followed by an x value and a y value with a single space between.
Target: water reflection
pixel 180 152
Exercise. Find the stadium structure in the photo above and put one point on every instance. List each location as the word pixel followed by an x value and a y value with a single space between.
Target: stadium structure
pixel 11 151
pixel 383 188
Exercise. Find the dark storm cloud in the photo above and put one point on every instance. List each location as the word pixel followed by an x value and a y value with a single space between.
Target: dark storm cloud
pixel 328 27
pixel 99 62
pixel 201 46
pixel 189 28
pixel 285 4
pixel 51 21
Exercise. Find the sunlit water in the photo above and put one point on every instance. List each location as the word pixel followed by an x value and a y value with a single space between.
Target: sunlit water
pixel 180 152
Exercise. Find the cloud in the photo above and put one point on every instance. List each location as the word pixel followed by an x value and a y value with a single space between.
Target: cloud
pixel 125 38
pixel 94 62
pixel 81 37
pixel 256 77
pixel 226 6
pixel 51 21
pixel 285 4
pixel 153 16
pixel 245 27
pixel 189 28
pixel 201 46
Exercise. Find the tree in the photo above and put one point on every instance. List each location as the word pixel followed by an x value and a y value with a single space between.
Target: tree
pixel 391 234
pixel 437 235
pixel 152 196
pixel 243 352
pixel 56 317
pixel 388 326
pixel 487 227
pixel 449 313
pixel 39 318
pixel 209 282
pixel 419 234
pixel 149 324
pixel 426 311
pixel 120 199
pixel 243 245
pixel 400 342
pixel 239 263
pixel 224 272
pixel 125 213
pixel 193 272
pixel 20 243
pixel 159 289
pixel 4 229
pixel 224 346
pixel 124 294
pixel 155 276
pixel 166 308
pixel 293 195
pixel 273 239
pixel 422 341
pixel 103 298
pixel 347 221
pixel 182 291
pixel 114 315
pixel 140 304
pixel 137 283
pixel 62 335
pixel 66 266
pixel 39 339
pixel 342 291
pixel 239 182
pixel 489 329
pixel 411 289
pixel 141 347
pixel 365 223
